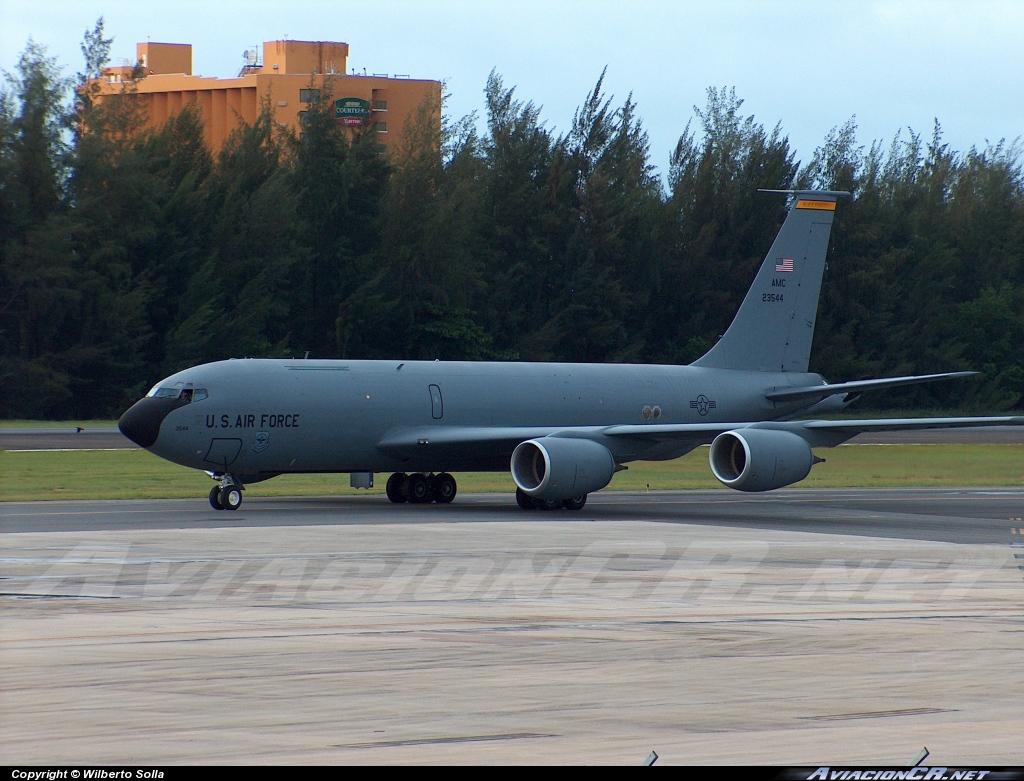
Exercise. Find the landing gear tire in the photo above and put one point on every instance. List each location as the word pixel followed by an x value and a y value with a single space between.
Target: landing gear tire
pixel 524 500
pixel 417 489
pixel 231 497
pixel 443 488
pixel 215 498
pixel 575 503
pixel 547 504
pixel 396 488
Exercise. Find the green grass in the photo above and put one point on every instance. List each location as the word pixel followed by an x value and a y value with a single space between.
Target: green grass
pixel 136 474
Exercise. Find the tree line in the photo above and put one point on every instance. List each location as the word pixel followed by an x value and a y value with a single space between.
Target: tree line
pixel 127 254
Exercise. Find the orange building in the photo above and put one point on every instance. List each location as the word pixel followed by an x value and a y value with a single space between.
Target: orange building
pixel 289 74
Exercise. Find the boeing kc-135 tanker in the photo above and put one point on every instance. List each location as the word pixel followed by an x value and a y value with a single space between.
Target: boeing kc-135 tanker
pixel 562 429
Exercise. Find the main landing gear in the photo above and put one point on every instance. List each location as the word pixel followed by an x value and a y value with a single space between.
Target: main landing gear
pixel 527 502
pixel 227 494
pixel 419 488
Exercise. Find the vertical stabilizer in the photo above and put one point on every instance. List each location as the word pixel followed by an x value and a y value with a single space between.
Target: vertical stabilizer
pixel 773 329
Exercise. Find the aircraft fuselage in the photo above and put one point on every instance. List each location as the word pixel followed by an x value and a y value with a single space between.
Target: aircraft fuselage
pixel 263 417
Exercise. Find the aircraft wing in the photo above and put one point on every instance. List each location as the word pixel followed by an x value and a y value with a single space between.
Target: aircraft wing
pixel 823 391
pixel 835 432
pixel 818 433
pixel 908 424
pixel 441 436
pixel 406 442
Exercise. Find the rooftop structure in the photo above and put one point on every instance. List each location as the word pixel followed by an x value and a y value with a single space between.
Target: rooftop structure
pixel 287 72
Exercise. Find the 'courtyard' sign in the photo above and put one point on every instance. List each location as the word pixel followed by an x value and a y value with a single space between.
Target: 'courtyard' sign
pixel 352 111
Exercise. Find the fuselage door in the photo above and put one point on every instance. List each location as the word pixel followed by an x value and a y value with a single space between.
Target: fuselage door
pixel 436 404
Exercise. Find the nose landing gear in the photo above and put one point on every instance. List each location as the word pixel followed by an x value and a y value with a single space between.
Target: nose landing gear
pixel 227 494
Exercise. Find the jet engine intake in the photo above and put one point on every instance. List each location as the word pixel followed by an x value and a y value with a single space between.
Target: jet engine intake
pixel 559 468
pixel 753 459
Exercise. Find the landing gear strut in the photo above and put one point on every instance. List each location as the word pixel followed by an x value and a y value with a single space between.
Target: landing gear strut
pixel 227 494
pixel 418 488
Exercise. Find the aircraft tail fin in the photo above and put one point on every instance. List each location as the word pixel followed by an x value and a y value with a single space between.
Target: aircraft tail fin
pixel 773 329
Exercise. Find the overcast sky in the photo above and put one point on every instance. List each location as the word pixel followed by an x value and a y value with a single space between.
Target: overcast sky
pixel 809 65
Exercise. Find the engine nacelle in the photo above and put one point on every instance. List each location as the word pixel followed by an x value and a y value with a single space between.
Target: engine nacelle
pixel 757 459
pixel 559 468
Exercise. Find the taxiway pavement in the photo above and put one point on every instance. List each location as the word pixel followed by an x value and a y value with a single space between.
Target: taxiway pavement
pixel 960 515
pixel 800 627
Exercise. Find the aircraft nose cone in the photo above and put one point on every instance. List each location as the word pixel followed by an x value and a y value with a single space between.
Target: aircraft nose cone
pixel 141 423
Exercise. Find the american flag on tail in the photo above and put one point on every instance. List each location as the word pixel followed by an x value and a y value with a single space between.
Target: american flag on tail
pixel 784 264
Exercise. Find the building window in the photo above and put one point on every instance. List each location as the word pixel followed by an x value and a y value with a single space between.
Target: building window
pixel 380 127
pixel 309 95
pixel 303 118
pixel 380 105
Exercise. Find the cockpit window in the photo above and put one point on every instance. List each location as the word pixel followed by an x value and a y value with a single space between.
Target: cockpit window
pixel 179 391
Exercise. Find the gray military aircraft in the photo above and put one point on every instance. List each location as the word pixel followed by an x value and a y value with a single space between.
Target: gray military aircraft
pixel 563 429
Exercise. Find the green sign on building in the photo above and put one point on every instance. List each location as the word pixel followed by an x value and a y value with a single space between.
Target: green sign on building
pixel 352 111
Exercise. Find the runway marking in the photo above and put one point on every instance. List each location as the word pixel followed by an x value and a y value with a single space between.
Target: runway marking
pixel 15 595
pixel 913 444
pixel 790 499
pixel 430 626
pixel 440 741
pixel 717 496
pixel 68 449
pixel 97 512
pixel 881 714
pixel 725 498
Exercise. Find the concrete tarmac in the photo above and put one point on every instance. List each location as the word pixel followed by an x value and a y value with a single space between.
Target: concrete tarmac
pixel 803 627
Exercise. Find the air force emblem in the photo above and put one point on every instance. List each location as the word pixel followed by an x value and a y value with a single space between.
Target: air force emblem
pixel 262 440
pixel 702 404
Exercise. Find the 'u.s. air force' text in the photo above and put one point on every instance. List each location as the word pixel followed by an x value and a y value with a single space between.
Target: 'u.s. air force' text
pixel 263 421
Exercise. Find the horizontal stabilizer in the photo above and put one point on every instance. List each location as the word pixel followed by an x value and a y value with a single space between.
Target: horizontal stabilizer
pixel 823 391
